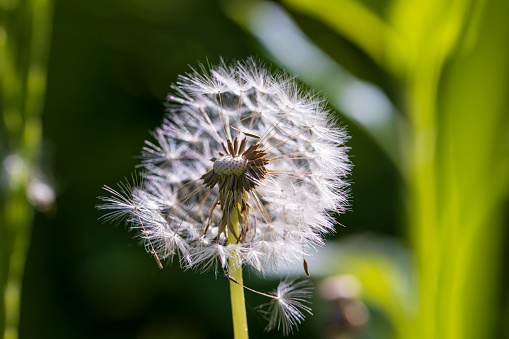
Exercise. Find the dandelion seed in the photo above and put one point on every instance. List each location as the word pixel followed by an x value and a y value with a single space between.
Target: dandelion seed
pixel 286 310
pixel 238 140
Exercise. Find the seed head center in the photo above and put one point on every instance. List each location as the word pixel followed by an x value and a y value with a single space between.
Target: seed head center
pixel 228 165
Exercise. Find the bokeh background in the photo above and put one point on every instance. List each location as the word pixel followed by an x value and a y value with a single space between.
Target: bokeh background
pixel 422 87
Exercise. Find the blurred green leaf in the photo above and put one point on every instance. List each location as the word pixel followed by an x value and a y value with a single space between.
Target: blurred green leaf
pixel 344 52
pixel 351 19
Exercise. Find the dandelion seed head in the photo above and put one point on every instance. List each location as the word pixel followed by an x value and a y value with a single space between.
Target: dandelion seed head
pixel 239 141
pixel 238 138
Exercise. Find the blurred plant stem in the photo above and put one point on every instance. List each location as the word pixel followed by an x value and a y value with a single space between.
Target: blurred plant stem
pixel 24 45
pixel 457 168
pixel 422 187
pixel 236 288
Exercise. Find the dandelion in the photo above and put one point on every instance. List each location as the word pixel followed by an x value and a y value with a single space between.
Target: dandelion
pixel 246 170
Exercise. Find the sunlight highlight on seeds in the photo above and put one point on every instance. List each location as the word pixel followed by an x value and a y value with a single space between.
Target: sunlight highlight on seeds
pixel 238 140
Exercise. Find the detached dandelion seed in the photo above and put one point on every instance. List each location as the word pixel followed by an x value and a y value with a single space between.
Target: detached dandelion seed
pixel 246 170
pixel 285 310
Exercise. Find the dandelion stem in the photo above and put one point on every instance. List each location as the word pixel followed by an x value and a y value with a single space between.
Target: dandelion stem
pixel 236 290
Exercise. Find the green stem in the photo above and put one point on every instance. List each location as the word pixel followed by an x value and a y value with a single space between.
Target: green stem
pixel 24 45
pixel 236 290
pixel 19 217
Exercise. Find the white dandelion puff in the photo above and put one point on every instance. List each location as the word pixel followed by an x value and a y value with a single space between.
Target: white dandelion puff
pixel 286 310
pixel 238 141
